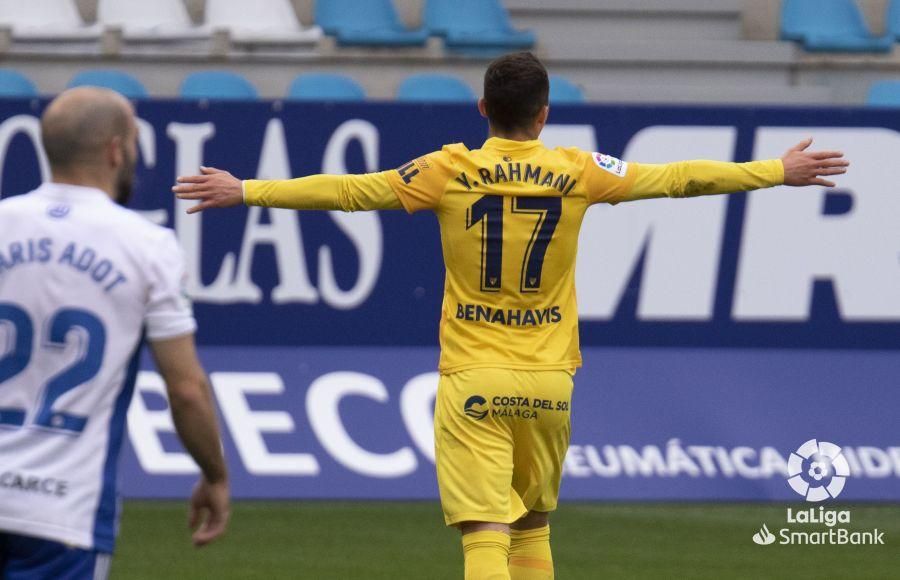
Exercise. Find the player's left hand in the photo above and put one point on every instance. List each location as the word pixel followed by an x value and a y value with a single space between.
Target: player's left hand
pixel 213 188
pixel 802 167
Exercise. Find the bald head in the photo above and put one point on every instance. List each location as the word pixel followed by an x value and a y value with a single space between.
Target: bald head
pixel 80 124
pixel 90 137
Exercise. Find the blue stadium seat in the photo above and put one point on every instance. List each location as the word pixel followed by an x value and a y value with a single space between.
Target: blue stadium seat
pixel 562 91
pixel 884 94
pixel 475 24
pixel 434 88
pixel 369 23
pixel 829 26
pixel 325 87
pixel 218 85
pixel 893 19
pixel 114 80
pixel 14 84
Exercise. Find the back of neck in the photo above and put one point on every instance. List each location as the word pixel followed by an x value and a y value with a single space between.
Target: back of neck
pixel 83 179
pixel 513 135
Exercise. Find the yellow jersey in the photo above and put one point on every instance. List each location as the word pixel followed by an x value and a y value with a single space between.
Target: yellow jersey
pixel 510 215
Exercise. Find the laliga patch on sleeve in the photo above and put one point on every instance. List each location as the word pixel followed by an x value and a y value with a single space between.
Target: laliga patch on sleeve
pixel 608 163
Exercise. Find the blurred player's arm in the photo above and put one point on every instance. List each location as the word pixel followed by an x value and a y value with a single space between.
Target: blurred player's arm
pixel 416 185
pixel 639 181
pixel 193 413
pixel 170 328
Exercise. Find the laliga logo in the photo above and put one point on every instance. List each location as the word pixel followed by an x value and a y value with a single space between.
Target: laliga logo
pixel 817 470
pixel 604 161
pixel 475 407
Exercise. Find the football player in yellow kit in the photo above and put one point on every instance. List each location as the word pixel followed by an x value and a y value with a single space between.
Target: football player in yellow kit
pixel 510 214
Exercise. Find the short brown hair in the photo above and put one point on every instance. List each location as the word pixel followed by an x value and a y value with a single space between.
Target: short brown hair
pixel 516 88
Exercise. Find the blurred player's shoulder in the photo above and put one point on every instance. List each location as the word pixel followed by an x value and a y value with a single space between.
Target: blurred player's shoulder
pixel 128 219
pixel 147 241
pixel 92 210
pixel 15 204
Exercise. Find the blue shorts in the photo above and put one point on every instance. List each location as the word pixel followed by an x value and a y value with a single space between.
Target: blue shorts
pixel 26 558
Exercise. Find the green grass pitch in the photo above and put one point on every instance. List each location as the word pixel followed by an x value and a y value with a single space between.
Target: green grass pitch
pixel 397 540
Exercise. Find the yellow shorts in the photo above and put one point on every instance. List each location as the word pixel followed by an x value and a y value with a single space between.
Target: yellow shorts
pixel 500 439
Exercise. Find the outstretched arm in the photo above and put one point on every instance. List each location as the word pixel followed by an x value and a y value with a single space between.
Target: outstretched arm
pixel 695 178
pixel 798 167
pixel 217 188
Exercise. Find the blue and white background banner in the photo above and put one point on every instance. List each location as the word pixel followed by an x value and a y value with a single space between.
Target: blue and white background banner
pixel 718 333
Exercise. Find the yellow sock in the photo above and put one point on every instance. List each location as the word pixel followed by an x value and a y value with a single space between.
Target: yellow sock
pixel 529 555
pixel 487 555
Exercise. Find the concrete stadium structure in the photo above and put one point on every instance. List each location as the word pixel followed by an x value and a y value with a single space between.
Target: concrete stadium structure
pixel 638 51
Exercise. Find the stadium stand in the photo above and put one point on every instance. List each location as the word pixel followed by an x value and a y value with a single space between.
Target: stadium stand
pixel 218 85
pixel 371 23
pixel 884 94
pixel 475 24
pixel 325 87
pixel 830 26
pixel 162 20
pixel 562 90
pixel 664 50
pixel 46 20
pixel 893 19
pixel 14 84
pixel 269 22
pixel 641 51
pixel 434 88
pixel 115 80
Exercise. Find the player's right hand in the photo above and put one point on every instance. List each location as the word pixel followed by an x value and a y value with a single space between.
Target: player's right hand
pixel 213 188
pixel 209 511
pixel 802 167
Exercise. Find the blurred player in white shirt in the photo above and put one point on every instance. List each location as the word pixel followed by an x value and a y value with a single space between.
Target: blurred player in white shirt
pixel 83 282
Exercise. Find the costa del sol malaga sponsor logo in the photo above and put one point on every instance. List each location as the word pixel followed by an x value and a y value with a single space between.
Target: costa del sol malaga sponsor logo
pixel 476 407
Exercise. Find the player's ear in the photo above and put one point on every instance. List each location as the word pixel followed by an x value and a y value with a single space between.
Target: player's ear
pixel 541 119
pixel 114 152
pixel 482 107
